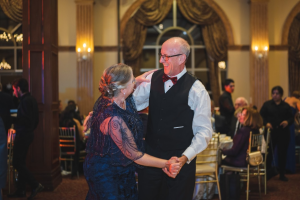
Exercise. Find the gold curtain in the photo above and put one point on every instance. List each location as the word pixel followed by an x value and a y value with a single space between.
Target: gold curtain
pixel 214 36
pixel 13 9
pixel 150 13
pixel 294 55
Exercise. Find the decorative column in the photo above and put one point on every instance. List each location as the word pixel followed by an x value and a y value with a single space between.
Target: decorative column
pixel 40 68
pixel 259 65
pixel 85 49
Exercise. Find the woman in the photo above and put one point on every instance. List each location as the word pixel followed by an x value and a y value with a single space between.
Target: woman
pixel 114 146
pixel 251 121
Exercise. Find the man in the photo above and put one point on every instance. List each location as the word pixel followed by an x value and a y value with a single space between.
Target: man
pixel 225 102
pixel 277 116
pixel 178 123
pixel 6 103
pixel 235 124
pixel 27 121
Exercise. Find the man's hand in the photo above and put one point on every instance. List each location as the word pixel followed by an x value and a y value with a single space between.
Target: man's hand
pixel 268 125
pixel 85 125
pixel 284 124
pixel 172 167
pixel 143 77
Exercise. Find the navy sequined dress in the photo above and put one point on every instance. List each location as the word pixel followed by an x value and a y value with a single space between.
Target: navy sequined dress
pixel 116 141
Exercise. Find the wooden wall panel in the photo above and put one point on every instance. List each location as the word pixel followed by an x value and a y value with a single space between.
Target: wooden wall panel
pixel 40 67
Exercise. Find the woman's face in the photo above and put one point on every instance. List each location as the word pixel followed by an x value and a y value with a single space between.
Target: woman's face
pixel 243 116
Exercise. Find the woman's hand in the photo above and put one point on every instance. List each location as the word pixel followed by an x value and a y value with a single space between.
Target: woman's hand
pixel 172 167
pixel 143 77
pixel 85 123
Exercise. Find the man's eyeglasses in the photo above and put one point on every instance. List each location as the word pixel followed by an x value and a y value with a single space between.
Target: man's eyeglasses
pixel 165 57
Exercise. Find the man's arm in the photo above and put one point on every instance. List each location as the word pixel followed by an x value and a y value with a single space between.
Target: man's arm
pixel 142 93
pixel 199 102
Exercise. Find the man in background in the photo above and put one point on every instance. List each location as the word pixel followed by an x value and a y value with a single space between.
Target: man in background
pixel 277 116
pixel 226 104
pixel 26 122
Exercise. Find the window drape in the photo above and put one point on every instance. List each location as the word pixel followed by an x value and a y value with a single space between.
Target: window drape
pixel 13 9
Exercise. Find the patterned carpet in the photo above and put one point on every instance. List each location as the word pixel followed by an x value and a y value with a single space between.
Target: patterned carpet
pixel 76 189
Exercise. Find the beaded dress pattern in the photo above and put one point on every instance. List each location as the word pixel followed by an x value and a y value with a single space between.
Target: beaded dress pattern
pixel 115 142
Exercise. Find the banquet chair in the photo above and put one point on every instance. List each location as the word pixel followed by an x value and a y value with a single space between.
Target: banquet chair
pixel 255 141
pixel 263 170
pixel 67 145
pixel 207 163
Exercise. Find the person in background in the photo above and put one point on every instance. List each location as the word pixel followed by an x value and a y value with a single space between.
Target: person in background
pixel 251 121
pixel 225 102
pixel 3 157
pixel 277 116
pixel 77 112
pixel 294 103
pixel 68 119
pixel 6 103
pixel 218 122
pixel 26 122
pixel 235 124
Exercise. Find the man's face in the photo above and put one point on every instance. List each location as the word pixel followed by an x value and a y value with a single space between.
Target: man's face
pixel 229 88
pixel 239 103
pixel 276 96
pixel 16 92
pixel 171 64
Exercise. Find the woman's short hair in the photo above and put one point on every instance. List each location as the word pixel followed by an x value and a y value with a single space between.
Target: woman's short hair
pixel 114 78
pixel 253 118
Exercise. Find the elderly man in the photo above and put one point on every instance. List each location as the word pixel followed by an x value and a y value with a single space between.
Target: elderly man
pixel 178 122
pixel 235 124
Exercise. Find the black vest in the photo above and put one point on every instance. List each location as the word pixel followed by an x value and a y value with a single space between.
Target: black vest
pixel 170 117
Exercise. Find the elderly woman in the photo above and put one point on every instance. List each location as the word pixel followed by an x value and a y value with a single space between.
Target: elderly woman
pixel 251 121
pixel 114 146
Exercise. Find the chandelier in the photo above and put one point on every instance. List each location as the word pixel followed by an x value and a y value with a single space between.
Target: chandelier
pixel 4 65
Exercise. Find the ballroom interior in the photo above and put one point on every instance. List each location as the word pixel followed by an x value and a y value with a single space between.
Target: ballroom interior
pixel 63 46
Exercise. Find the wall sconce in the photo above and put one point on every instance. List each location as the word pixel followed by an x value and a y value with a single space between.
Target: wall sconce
pixel 222 65
pixel 4 65
pixel 84 53
pixel 261 53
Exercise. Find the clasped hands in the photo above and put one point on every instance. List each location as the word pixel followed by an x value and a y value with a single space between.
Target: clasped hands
pixel 174 165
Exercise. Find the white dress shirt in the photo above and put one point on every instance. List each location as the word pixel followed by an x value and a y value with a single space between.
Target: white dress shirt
pixel 199 102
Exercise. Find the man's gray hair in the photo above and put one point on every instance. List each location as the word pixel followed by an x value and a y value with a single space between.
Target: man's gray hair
pixel 244 100
pixel 185 47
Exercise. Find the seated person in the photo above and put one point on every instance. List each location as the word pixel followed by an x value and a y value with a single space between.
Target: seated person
pixel 218 121
pixel 67 119
pixel 251 121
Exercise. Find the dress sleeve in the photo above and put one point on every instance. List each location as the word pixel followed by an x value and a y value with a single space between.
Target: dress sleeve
pixel 119 132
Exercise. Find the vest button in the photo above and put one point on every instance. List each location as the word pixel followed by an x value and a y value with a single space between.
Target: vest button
pixel 158 130
pixel 160 119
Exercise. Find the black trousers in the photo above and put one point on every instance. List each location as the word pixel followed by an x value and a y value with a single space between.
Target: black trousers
pixel 153 183
pixel 280 138
pixel 21 146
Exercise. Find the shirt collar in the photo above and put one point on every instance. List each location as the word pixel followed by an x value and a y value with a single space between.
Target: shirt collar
pixel 180 74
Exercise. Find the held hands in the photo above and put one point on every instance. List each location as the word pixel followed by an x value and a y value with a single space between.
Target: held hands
pixel 85 125
pixel 175 165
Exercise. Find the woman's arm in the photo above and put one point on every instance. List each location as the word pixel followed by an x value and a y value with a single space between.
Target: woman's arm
pixel 123 138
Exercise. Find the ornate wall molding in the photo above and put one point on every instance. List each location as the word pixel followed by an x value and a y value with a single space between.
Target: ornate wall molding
pixel 288 22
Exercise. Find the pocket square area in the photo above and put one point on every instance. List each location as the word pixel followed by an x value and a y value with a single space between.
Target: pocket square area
pixel 178 127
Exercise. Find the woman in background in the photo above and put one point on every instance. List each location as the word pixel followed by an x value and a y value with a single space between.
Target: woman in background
pixel 251 121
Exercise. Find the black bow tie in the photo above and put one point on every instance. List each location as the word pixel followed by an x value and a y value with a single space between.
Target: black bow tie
pixel 173 79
